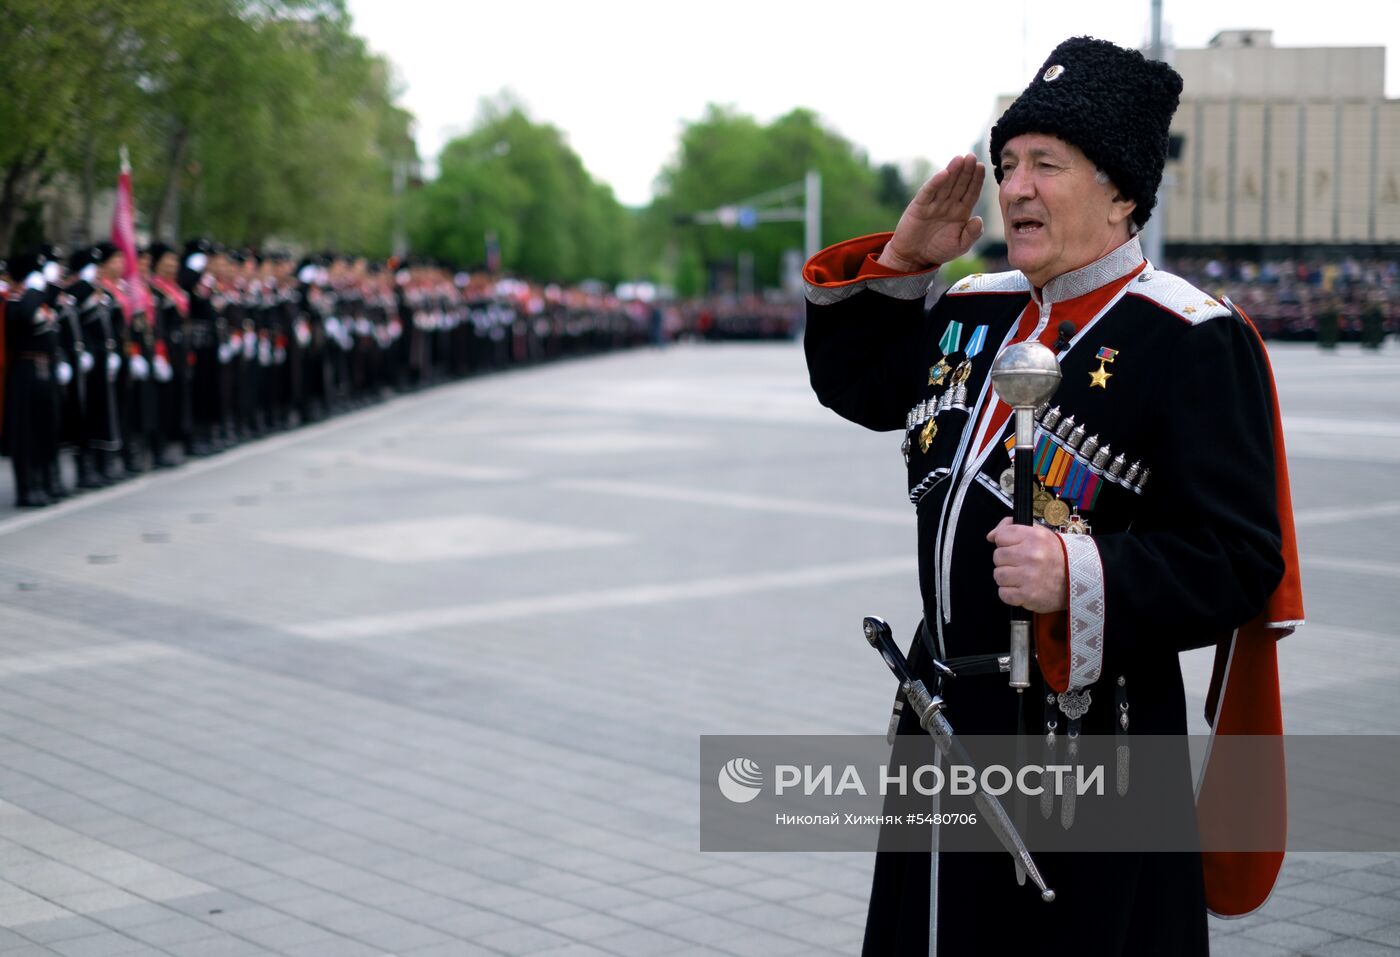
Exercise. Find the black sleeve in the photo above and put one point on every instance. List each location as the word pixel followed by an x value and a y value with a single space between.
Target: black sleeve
pixel 1204 554
pixel 864 355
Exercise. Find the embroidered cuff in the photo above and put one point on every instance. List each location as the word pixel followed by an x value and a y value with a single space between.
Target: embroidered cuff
pixel 1086 610
pixel 839 272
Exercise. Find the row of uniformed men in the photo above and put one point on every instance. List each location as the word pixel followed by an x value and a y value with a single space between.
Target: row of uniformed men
pixel 203 349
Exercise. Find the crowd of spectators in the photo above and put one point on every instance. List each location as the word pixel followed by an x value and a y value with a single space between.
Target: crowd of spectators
pixel 1347 300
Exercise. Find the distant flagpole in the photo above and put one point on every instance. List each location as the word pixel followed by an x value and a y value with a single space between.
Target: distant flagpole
pixel 124 217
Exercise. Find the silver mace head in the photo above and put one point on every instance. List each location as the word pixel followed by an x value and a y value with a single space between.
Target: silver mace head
pixel 1025 375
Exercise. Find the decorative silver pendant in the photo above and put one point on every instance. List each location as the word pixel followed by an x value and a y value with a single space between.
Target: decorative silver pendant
pixel 1074 704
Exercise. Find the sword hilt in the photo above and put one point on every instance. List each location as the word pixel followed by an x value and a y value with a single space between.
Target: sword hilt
pixel 877 632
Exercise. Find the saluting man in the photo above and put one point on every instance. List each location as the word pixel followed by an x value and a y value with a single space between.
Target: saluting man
pixel 1163 521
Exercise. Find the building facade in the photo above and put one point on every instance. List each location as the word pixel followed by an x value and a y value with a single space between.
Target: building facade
pixel 1291 150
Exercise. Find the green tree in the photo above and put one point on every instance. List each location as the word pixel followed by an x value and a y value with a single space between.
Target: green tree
pixel 726 157
pixel 520 182
pixel 245 118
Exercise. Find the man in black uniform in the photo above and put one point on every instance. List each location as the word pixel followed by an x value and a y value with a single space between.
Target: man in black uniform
pixel 1161 496
pixel 31 423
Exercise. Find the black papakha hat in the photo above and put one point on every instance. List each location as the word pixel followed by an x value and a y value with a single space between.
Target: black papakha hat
pixel 1114 104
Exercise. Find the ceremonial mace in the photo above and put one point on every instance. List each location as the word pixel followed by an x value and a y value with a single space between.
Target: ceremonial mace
pixel 1024 376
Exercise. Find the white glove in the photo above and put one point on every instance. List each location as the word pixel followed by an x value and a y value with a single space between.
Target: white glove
pixel 114 365
pixel 163 371
pixel 63 372
pixel 265 352
pixel 227 350
pixel 140 368
pixel 85 360
pixel 250 345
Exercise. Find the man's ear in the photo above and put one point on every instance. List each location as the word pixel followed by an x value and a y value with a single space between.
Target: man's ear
pixel 1122 208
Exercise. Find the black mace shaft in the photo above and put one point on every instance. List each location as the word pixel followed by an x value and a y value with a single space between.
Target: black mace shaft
pixel 1025 375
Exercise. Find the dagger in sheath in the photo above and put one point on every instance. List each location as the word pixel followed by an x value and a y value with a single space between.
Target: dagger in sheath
pixel 929 709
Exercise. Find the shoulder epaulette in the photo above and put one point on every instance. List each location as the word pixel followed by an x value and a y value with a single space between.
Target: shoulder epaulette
pixel 1177 296
pixel 1013 281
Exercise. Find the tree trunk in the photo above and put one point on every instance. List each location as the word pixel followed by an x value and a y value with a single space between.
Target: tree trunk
pixel 14 192
pixel 89 190
pixel 165 223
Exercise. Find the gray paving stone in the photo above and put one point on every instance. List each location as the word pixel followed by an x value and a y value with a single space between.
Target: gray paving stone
pixel 602 897
pixel 339 947
pixel 1342 922
pixel 1290 935
pixel 63 928
pixel 522 940
pixel 456 948
pixel 653 913
pixel 215 947
pixel 472 923
pixel 1356 948
pixel 98 945
pixel 638 943
pixel 715 900
pixel 289 933
pixel 759 944
pixel 178 929
pixel 1388 934
pixel 1322 892
pixel 1387 907
pixel 1239 945
pixel 1372 881
pixel 588 926
pixel 709 929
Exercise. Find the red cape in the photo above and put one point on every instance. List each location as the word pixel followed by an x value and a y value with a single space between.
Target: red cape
pixel 1241 800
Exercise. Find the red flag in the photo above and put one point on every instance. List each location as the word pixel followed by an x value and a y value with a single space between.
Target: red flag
pixel 124 218
pixel 124 236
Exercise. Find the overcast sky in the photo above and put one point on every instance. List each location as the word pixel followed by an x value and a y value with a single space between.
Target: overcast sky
pixel 901 79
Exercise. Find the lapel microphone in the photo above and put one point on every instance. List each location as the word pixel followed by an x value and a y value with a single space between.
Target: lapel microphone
pixel 1067 331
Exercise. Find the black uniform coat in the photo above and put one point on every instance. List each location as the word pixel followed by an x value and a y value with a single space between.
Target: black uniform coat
pixel 95 307
pixel 1173 561
pixel 31 422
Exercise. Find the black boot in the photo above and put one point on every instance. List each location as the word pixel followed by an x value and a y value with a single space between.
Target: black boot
pixel 53 485
pixel 89 475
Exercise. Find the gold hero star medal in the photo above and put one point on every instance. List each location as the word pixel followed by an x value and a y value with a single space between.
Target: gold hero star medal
pixel 1100 376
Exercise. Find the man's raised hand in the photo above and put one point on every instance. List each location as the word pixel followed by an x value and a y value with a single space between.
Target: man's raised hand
pixel 938 226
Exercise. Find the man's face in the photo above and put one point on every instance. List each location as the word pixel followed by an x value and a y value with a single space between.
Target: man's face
pixel 1058 217
pixel 113 267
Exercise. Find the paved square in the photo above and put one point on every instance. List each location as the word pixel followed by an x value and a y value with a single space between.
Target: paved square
pixel 436 539
pixel 428 680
